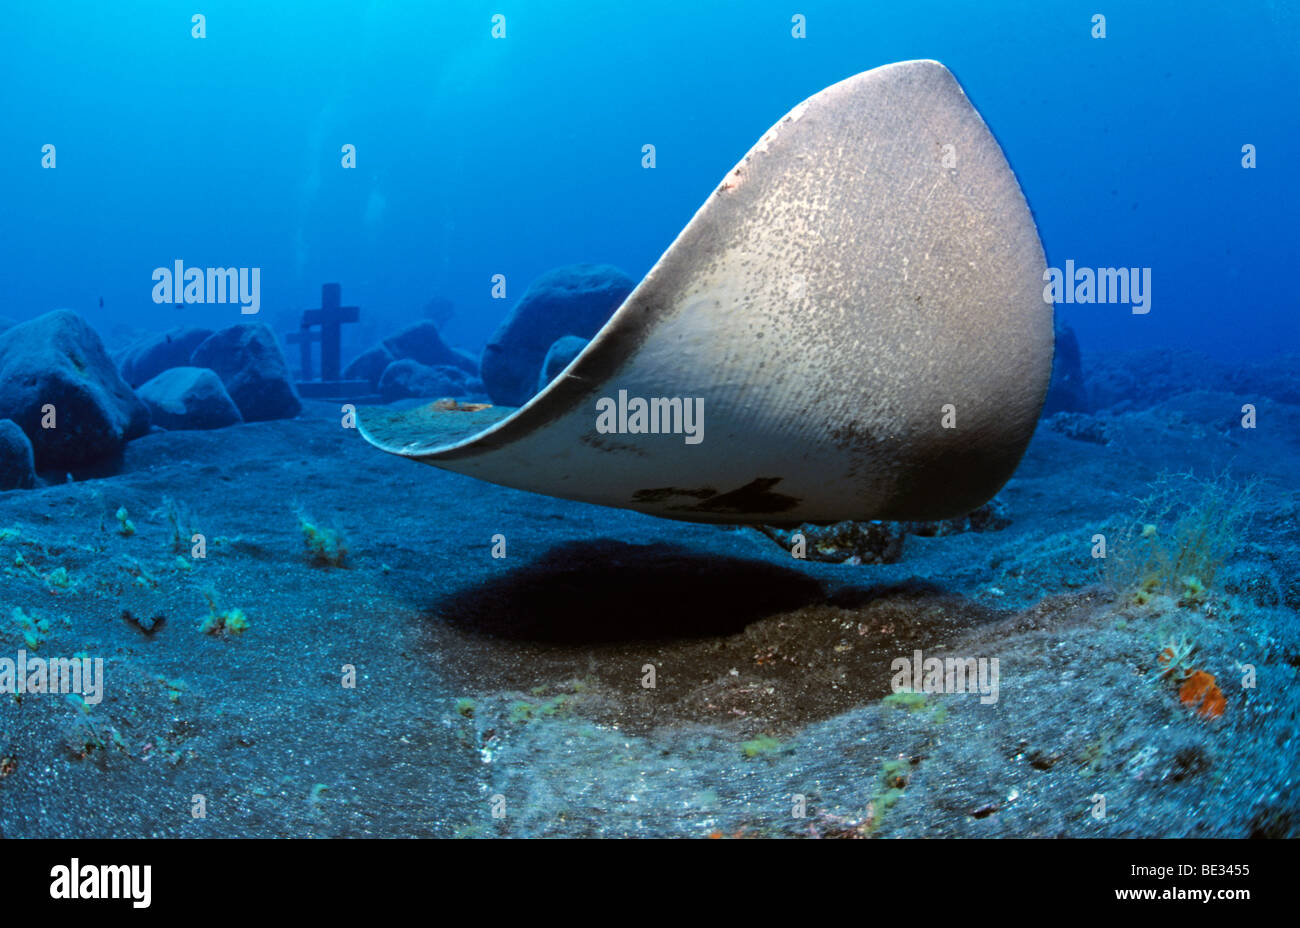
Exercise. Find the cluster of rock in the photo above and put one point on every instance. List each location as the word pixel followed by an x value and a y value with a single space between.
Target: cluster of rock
pixel 544 331
pixel 66 405
pixel 416 362
pixel 194 378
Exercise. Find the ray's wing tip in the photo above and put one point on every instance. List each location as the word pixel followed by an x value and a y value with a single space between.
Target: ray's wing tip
pixel 928 76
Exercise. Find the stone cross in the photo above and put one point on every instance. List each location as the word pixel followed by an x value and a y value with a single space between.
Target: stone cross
pixel 304 338
pixel 330 317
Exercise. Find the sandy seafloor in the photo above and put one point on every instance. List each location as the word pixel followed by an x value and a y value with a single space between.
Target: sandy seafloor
pixel 520 678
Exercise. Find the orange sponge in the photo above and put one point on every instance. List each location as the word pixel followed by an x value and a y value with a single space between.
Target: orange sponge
pixel 1200 690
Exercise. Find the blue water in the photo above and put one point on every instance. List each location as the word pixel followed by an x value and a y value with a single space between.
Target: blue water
pixel 478 156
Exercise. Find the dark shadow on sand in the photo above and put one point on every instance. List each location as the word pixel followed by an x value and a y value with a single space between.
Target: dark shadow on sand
pixel 603 591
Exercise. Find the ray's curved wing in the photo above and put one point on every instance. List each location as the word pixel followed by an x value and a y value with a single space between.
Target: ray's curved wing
pixel 857 307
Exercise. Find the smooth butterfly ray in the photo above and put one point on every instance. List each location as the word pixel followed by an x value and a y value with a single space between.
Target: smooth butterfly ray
pixel 858 306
